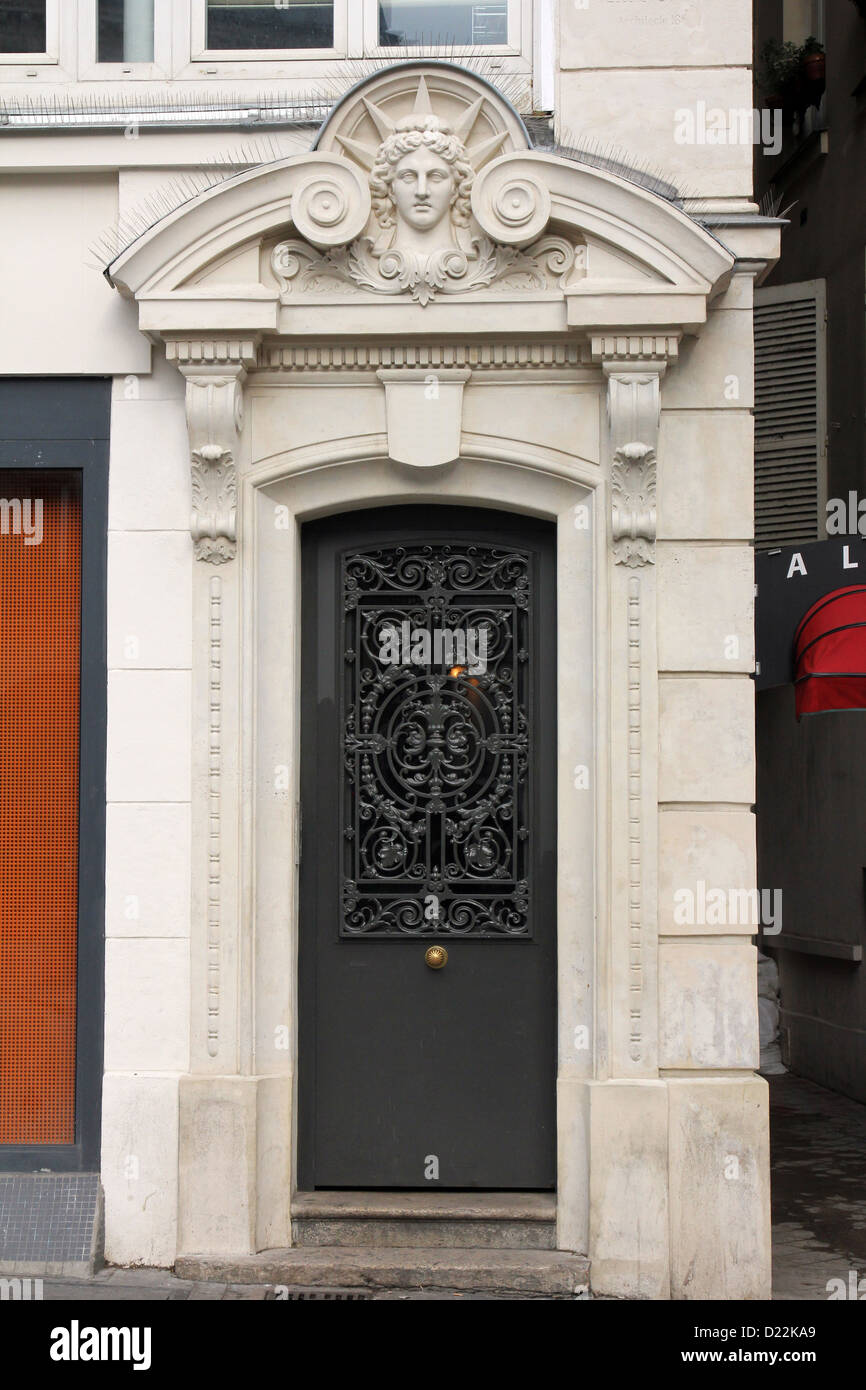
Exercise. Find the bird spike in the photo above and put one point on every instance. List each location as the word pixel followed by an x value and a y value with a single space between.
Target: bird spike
pixel 383 123
pixel 361 152
pixel 467 120
pixel 485 149
pixel 422 105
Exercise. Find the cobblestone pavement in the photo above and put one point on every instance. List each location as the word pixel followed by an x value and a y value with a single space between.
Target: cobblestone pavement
pixel 818 1142
pixel 818 1159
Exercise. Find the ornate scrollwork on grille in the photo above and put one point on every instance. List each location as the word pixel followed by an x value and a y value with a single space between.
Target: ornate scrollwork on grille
pixel 436 741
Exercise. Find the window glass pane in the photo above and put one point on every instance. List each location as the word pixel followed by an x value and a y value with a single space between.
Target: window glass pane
pixel 125 33
pixel 407 23
pixel 40 634
pixel 801 19
pixel 22 26
pixel 255 24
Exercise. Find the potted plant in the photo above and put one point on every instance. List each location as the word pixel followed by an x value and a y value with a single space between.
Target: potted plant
pixel 779 73
pixel 813 60
pixel 793 75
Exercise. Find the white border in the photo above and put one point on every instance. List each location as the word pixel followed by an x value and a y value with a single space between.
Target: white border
pixel 199 52
pixel 90 69
pixel 51 53
pixel 544 55
pixel 519 35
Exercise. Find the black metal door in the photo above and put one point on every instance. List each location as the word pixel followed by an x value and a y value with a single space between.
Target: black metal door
pixel 428 799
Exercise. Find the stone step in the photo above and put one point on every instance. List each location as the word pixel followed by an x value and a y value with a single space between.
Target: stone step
pixel 335 1267
pixel 379 1233
pixel 415 1220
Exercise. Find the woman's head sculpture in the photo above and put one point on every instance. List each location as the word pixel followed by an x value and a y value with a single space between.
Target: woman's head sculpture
pixel 421 173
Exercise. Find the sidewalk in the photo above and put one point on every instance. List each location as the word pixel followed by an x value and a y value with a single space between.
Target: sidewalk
pixel 818 1162
pixel 149 1285
pixel 818 1145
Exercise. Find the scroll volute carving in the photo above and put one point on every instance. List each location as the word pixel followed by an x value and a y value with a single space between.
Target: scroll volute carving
pixel 510 200
pixel 214 407
pixel 331 202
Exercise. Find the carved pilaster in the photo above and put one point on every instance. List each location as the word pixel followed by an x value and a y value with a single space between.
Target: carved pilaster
pixel 633 371
pixel 214 413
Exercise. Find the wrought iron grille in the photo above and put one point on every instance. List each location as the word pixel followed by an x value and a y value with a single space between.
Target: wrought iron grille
pixel 436 741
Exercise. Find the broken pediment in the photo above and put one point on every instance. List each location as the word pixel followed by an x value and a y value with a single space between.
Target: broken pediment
pixel 422 187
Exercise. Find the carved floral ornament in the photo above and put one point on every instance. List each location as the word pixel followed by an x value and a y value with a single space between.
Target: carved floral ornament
pixel 633 491
pixel 633 402
pixel 436 226
pixel 215 414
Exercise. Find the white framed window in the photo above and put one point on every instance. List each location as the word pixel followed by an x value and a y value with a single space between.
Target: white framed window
pixel 128 39
pixel 29 31
pixel 225 36
pixel 487 26
pixel 267 30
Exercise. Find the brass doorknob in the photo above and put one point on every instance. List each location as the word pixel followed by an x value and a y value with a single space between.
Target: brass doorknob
pixel 436 957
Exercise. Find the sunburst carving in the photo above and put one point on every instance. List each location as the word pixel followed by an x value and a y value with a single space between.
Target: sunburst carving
pixel 477 155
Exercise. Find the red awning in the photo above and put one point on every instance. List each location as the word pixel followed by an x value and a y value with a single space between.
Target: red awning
pixel 830 653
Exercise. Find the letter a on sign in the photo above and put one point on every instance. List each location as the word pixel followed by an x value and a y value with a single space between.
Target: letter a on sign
pixel 797 565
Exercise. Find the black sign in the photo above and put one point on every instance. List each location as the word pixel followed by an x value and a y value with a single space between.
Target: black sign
pixel 787 583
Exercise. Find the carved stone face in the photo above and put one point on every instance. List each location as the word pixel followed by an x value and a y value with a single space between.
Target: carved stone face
pixel 422 189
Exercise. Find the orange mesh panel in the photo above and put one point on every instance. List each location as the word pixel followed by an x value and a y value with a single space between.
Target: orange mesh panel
pixel 40 599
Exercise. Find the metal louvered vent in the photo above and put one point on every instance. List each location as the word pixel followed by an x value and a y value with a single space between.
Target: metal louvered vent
pixel 789 413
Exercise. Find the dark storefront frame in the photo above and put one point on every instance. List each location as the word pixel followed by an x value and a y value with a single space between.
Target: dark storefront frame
pixel 50 424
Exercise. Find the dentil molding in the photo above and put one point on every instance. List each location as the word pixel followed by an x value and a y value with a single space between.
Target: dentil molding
pixel 515 355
